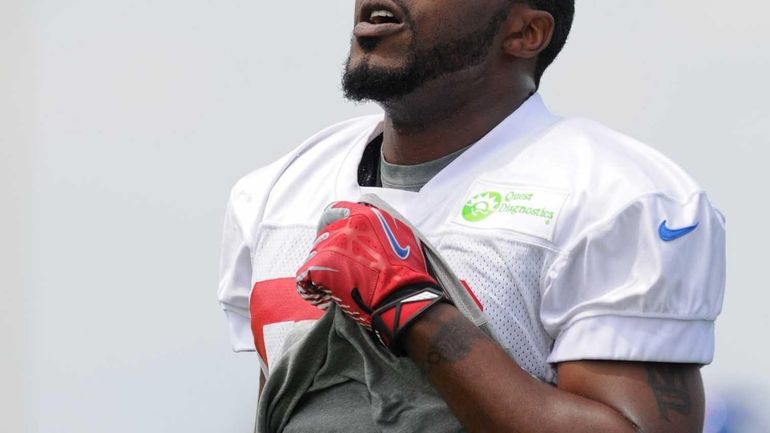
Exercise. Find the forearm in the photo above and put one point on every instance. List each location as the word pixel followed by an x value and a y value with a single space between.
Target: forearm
pixel 488 392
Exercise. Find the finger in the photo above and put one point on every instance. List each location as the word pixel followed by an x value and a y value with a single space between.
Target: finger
pixel 313 278
pixel 311 291
pixel 314 248
pixel 334 212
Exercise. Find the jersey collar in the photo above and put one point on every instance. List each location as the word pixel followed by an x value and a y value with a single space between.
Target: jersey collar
pixel 497 147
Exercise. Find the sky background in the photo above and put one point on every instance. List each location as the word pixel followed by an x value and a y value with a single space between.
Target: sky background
pixel 123 125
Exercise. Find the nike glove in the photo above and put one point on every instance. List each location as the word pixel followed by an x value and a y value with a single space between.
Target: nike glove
pixel 372 266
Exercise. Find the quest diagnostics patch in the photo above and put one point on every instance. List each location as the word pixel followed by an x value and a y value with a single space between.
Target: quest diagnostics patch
pixel 523 209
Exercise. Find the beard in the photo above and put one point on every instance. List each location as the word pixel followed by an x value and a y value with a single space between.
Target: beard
pixel 371 83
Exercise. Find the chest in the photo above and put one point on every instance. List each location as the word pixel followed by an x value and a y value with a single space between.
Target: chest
pixel 502 269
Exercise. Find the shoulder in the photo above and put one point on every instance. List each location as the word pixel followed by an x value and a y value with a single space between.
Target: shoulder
pixel 330 140
pixel 642 252
pixel 250 193
pixel 604 173
pixel 599 158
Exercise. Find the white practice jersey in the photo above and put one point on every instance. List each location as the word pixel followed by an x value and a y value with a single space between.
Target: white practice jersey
pixel 579 242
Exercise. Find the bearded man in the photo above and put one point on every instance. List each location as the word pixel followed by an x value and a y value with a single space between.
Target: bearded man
pixel 598 263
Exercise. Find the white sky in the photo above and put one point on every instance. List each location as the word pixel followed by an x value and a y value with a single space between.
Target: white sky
pixel 123 125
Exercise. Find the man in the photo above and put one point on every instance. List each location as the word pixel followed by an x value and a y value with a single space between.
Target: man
pixel 599 263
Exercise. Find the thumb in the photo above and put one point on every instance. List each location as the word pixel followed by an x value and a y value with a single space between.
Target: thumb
pixel 334 212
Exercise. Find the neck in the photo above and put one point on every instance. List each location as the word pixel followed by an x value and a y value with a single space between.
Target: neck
pixel 441 118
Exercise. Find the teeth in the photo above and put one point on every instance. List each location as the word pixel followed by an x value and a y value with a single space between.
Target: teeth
pixel 381 14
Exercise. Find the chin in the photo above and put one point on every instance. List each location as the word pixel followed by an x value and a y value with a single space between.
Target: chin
pixel 375 61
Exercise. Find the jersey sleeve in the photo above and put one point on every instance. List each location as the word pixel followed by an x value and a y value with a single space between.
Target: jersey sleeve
pixel 644 285
pixel 235 281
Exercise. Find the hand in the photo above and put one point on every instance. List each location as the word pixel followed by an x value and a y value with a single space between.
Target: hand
pixel 373 267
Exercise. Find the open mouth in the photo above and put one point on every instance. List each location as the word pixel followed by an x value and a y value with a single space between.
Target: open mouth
pixel 380 12
pixel 382 16
pixel 378 18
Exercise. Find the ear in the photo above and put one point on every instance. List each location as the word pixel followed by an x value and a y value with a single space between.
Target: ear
pixel 528 32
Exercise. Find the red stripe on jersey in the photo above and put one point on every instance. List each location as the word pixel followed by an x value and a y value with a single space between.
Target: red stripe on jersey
pixel 473 295
pixel 274 301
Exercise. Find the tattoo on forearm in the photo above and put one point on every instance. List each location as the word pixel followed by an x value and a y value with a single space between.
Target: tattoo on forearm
pixel 670 387
pixel 452 342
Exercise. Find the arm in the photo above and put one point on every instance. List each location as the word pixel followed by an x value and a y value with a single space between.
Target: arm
pixel 488 392
pixel 371 265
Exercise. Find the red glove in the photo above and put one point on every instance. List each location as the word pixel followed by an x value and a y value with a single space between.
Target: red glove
pixel 372 266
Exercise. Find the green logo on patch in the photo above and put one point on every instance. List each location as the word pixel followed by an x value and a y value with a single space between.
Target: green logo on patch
pixel 481 206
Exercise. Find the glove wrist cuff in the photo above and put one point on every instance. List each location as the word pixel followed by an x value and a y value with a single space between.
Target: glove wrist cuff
pixel 393 317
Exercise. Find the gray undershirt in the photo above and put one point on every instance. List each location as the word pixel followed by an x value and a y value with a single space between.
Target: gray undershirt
pixel 413 177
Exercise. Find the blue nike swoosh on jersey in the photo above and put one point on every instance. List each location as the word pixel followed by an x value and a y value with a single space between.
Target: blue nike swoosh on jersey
pixel 669 235
pixel 400 251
